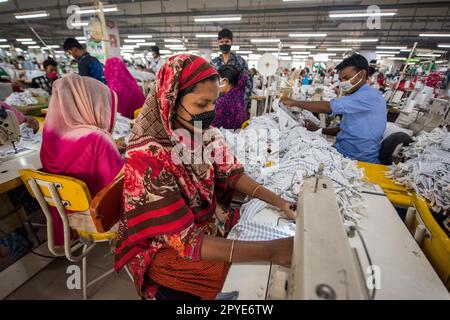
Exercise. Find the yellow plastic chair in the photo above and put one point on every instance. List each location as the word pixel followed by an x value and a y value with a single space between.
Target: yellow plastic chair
pixel 66 193
pixel 136 112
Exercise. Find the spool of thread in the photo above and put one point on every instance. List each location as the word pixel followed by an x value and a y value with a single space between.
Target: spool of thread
pixel 410 214
pixel 419 234
pixel 410 106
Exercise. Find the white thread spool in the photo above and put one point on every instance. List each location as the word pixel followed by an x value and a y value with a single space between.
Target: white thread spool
pixel 419 234
pixel 410 214
pixel 410 106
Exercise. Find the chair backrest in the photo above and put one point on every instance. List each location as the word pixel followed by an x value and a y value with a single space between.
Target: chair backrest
pixel 107 206
pixel 73 193
pixel 64 193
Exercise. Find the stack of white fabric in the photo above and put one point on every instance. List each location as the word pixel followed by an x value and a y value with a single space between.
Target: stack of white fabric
pixel 21 99
pixel 295 155
pixel 427 169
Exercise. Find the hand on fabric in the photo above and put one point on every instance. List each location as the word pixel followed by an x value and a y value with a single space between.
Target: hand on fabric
pixel 32 123
pixel 288 102
pixel 121 145
pixel 281 251
pixel 289 209
pixel 311 126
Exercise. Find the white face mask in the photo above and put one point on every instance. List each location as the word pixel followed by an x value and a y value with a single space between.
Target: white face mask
pixel 347 85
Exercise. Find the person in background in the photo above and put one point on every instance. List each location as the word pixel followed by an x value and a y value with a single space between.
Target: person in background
pixel 25 64
pixel 225 41
pixel 304 77
pixel 176 213
pixel 88 66
pixel 139 67
pixel 77 140
pixel 157 61
pixel 119 79
pixel 21 118
pixel 231 111
pixel 363 108
pixel 45 82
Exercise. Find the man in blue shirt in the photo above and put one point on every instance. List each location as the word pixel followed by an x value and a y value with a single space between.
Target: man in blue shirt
pixel 363 108
pixel 88 65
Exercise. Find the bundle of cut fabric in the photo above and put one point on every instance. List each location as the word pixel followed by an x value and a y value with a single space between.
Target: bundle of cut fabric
pixel 21 98
pixel 427 169
pixel 282 160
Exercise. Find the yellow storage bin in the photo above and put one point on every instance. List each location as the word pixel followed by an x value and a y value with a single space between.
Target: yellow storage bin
pixel 398 194
pixel 436 244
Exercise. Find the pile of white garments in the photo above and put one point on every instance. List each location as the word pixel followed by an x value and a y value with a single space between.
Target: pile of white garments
pixel 295 154
pixel 427 169
pixel 302 115
pixel 38 92
pixel 122 128
pixel 21 99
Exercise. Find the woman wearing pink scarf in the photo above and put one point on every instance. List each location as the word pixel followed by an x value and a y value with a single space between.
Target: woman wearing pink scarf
pixel 119 79
pixel 77 139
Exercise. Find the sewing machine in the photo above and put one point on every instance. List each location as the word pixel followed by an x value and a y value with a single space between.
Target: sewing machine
pixel 379 260
pixel 435 113
pixel 335 275
pixel 9 128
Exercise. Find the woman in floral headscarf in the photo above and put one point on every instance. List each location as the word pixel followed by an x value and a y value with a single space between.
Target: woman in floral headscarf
pixel 176 213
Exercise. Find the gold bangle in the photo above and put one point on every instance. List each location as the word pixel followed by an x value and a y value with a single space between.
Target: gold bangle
pixel 256 189
pixel 231 252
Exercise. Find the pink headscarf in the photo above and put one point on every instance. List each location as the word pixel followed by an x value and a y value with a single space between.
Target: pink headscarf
pixel 77 139
pixel 120 80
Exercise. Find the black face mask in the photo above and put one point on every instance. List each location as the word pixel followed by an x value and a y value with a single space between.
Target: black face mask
pixel 225 47
pixel 206 118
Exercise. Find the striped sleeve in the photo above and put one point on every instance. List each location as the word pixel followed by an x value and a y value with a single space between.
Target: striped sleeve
pixel 153 204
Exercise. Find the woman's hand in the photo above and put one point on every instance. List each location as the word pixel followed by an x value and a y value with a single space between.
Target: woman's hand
pixel 289 209
pixel 33 124
pixel 121 145
pixel 281 251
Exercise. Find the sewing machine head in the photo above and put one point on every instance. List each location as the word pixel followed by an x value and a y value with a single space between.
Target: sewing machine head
pixel 9 127
pixel 324 265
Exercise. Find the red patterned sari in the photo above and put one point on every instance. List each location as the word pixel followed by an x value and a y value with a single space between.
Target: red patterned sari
pixel 168 206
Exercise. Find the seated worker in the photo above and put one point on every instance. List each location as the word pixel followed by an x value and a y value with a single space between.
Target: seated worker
pixel 363 108
pixel 76 139
pixel 176 213
pixel 231 110
pixel 88 65
pixel 51 74
pixel 120 80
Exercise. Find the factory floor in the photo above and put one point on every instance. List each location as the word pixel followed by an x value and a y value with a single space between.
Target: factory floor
pixel 50 282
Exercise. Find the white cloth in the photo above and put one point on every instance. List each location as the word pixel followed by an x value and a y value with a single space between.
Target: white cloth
pixel 250 229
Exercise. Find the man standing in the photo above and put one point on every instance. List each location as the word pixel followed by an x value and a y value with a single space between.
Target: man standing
pixel 88 65
pixel 45 82
pixel 363 108
pixel 225 41
pixel 157 61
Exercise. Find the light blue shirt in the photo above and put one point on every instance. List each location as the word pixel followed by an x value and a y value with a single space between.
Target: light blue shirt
pixel 363 124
